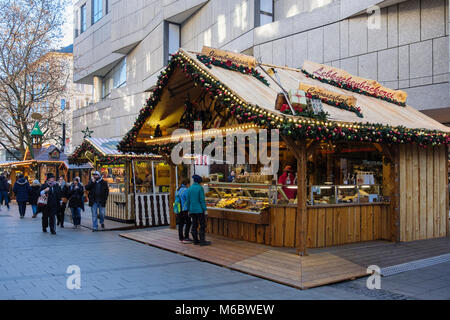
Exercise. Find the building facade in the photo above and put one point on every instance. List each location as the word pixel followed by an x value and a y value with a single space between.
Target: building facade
pixel 121 45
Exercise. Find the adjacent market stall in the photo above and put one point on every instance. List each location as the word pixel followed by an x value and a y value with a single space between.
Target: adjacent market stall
pixel 138 183
pixel 38 161
pixel 356 163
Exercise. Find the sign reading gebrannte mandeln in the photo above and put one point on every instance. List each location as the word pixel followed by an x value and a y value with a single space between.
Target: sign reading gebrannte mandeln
pixel 347 81
pixel 327 95
pixel 237 58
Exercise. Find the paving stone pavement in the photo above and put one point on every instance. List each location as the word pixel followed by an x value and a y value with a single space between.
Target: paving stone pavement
pixel 33 266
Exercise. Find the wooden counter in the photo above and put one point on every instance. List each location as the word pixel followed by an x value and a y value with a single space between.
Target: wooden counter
pixel 328 225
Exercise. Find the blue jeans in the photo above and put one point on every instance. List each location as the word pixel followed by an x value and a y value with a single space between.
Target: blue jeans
pixel 101 212
pixel 76 216
pixel 4 196
pixel 34 207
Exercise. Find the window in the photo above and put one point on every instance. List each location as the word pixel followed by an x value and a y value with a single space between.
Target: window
pixel 264 12
pixel 106 7
pixel 172 40
pixel 116 78
pixel 83 18
pixel 97 10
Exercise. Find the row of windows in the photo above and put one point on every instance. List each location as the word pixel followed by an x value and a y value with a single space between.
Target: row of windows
pixel 264 15
pixel 99 8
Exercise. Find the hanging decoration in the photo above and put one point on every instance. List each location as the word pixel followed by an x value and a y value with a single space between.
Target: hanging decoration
pixel 230 65
pixel 339 101
pixel 87 133
pixel 296 127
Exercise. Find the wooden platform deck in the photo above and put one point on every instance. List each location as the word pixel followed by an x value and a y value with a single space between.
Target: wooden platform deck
pixel 320 267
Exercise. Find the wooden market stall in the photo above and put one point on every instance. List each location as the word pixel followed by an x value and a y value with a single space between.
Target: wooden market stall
pixel 367 166
pixel 137 183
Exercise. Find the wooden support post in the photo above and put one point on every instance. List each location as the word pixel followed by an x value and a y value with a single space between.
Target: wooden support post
pixel 299 149
pixel 301 200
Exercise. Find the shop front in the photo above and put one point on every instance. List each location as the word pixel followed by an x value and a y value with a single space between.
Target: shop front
pixel 355 163
pixel 138 193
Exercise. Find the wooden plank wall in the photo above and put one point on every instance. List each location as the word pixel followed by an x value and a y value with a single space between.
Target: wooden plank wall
pixel 326 226
pixel 423 192
pixel 238 230
pixel 117 212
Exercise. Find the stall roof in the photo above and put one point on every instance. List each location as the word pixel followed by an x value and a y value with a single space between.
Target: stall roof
pixel 377 114
pixel 106 148
pixel 374 110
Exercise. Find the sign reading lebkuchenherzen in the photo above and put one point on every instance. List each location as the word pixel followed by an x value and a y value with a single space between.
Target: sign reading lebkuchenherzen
pixel 347 81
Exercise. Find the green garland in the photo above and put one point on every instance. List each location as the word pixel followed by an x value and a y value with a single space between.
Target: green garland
pixel 345 86
pixel 229 65
pixel 296 128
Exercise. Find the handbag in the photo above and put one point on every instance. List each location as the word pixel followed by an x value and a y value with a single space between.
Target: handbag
pixel 42 200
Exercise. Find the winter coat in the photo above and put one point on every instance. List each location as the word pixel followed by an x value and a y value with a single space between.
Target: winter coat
pixel 98 192
pixel 22 190
pixel 4 185
pixel 196 199
pixel 34 195
pixel 183 195
pixel 287 179
pixel 54 197
pixel 75 196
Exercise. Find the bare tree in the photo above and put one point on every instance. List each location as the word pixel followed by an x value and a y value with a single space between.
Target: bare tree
pixel 33 76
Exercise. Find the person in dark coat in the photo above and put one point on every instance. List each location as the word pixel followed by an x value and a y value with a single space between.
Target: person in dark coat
pixel 53 192
pixel 98 195
pixel 64 194
pixel 4 190
pixel 76 202
pixel 34 196
pixel 22 190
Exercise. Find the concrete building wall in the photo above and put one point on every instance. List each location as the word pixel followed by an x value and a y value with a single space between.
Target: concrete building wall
pixel 409 50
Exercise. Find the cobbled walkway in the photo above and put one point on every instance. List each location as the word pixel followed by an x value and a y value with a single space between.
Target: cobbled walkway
pixel 33 265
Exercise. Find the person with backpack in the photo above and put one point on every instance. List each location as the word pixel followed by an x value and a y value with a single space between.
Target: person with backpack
pixel 4 190
pixel 34 196
pixel 197 208
pixel 181 210
pixel 22 190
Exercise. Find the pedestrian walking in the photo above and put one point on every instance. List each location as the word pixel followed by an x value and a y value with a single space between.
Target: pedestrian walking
pixel 4 191
pixel 34 196
pixel 22 189
pixel 64 196
pixel 98 195
pixel 76 201
pixel 183 220
pixel 197 208
pixel 52 190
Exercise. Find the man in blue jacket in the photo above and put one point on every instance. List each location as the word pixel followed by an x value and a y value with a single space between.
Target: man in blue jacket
pixel 22 189
pixel 197 207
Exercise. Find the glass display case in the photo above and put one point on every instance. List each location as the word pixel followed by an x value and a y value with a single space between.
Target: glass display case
pixel 115 176
pixel 242 197
pixel 341 194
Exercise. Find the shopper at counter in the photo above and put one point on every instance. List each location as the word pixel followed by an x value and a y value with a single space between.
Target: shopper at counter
pixel 197 207
pixel 287 179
